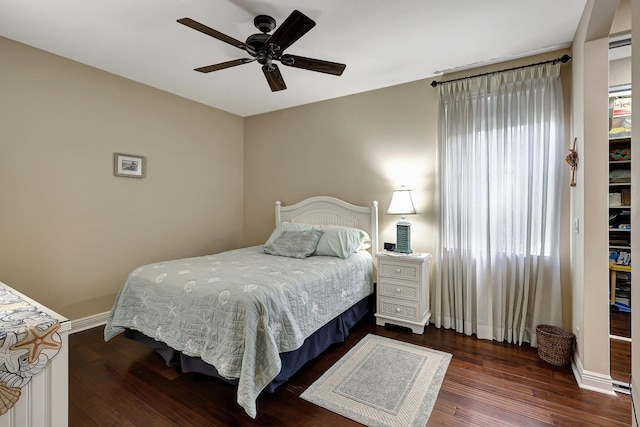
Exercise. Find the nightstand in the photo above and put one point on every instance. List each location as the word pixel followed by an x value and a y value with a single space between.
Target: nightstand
pixel 402 296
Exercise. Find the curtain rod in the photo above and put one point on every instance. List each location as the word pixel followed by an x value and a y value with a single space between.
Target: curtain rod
pixel 563 59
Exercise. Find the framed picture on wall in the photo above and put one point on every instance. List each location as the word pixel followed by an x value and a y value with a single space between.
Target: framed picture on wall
pixel 129 165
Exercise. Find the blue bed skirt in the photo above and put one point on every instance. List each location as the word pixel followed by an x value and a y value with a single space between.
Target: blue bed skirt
pixel 336 331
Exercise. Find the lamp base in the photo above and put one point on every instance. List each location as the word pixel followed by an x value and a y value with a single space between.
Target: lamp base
pixel 403 237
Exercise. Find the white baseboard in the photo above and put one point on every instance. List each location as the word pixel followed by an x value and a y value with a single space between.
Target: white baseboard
pixel 592 380
pixel 89 322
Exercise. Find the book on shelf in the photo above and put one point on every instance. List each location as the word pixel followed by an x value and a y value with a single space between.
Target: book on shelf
pixel 622 106
pixel 625 301
pixel 621 118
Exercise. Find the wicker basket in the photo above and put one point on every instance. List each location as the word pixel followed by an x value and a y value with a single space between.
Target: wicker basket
pixel 555 344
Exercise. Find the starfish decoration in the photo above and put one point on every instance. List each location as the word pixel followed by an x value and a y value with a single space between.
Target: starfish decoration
pixel 36 341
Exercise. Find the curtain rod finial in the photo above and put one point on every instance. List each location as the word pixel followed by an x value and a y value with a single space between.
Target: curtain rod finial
pixel 434 83
pixel 565 58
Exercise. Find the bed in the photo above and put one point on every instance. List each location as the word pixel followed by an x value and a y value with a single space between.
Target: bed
pixel 254 316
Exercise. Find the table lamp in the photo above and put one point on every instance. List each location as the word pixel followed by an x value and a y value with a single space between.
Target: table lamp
pixel 402 204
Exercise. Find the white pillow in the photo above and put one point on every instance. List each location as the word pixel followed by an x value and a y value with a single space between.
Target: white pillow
pixel 339 242
pixel 343 242
pixel 366 239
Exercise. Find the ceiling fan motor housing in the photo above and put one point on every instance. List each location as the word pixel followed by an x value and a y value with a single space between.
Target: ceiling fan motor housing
pixel 262 51
pixel 256 41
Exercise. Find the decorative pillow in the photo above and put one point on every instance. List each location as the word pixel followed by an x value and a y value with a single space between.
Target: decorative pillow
pixel 295 244
pixel 340 242
pixel 288 226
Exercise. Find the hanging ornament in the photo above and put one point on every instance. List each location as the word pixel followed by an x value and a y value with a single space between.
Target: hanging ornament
pixel 572 159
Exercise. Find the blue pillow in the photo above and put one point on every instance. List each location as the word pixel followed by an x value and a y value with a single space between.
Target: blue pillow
pixel 295 244
pixel 288 226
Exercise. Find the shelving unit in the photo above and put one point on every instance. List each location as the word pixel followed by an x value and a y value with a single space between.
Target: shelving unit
pixel 620 202
pixel 619 158
pixel 620 222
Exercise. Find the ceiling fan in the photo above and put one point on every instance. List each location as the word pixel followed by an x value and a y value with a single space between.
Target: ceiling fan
pixel 267 48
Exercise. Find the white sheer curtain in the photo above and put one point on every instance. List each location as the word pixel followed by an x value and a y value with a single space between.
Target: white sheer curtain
pixel 500 159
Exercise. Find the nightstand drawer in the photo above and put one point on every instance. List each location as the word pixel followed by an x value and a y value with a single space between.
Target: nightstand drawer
pixel 407 291
pixel 399 271
pixel 397 309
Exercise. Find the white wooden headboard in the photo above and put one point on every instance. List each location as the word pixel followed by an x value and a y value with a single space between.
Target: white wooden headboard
pixel 325 210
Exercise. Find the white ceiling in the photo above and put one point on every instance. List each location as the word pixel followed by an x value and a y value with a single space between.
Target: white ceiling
pixel 383 42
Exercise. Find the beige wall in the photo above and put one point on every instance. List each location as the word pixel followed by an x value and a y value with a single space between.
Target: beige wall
pixel 589 205
pixel 360 148
pixel 70 231
pixel 622 20
pixel 620 72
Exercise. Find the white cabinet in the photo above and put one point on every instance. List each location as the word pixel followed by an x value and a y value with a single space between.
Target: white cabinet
pixel 44 382
pixel 402 296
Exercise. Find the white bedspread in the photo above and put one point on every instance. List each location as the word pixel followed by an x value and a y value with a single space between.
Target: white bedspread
pixel 239 309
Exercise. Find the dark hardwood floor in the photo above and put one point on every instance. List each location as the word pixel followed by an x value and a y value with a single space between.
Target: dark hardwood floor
pixel 122 383
pixel 620 325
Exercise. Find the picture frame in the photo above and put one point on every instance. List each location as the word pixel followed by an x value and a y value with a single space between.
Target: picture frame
pixel 129 165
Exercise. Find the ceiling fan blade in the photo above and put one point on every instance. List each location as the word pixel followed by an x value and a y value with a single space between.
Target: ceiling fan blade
pixel 213 33
pixel 223 65
pixel 313 64
pixel 295 26
pixel 274 78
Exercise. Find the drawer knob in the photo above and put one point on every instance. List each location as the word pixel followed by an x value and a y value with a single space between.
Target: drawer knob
pixel 398 270
pixel 399 290
pixel 398 309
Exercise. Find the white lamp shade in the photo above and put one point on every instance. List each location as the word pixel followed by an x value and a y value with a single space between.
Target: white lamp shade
pixel 401 203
